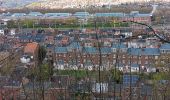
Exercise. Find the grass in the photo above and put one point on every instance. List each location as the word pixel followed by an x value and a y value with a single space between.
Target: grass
pixel 29 24
pixel 80 74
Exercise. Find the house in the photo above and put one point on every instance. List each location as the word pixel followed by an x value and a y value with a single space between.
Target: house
pixel 31 49
pixel 146 91
pixel 60 57
pixel 137 17
pixel 10 88
pixel 165 48
pixel 49 39
pixel 50 52
pixel 2 32
pixel 135 67
pixel 143 56
pixel 80 88
pixel 109 91
pixel 3 22
pixel 130 87
pixel 59 87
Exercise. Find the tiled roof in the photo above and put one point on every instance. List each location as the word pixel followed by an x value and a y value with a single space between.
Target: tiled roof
pixel 31 47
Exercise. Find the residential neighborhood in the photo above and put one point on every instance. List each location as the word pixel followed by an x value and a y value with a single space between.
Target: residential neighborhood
pixel 84 55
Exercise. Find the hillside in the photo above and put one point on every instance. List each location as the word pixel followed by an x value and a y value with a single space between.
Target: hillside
pixel 54 4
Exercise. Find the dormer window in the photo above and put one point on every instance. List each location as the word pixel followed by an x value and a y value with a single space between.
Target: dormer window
pixel 114 49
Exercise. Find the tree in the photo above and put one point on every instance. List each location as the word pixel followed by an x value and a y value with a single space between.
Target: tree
pixel 41 54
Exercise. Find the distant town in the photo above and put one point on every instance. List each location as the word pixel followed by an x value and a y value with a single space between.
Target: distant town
pixel 85 55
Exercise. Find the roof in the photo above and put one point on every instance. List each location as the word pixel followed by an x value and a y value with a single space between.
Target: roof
pixel 165 46
pixel 109 14
pixel 61 49
pixel 75 45
pixel 81 14
pixel 57 14
pixel 121 46
pixel 134 65
pixel 144 51
pixel 61 81
pixel 90 50
pixel 35 14
pixel 105 50
pixel 31 47
pixel 130 79
pixel 81 87
pixel 146 90
pixel 8 81
pixel 18 14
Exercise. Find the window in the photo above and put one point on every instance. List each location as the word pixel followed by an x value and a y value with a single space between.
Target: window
pixel 146 57
pixel 114 49
pixel 123 56
pixel 114 61
pixel 156 57
pixel 139 62
pixel 135 57
pixel 114 56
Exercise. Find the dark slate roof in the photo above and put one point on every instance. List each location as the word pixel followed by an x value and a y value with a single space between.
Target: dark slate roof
pixel 80 87
pixel 90 50
pixel 49 46
pixel 105 50
pixel 38 37
pixel 121 46
pixel 8 81
pixel 130 79
pixel 146 90
pixel 135 65
pixel 60 81
pixel 60 62
pixel 109 14
pixel 165 46
pixel 36 85
pixel 75 45
pixel 119 65
pixel 144 51
pixel 61 49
